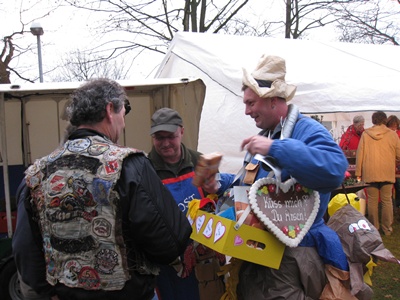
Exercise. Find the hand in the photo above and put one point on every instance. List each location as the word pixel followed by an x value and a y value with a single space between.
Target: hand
pixel 257 144
pixel 211 185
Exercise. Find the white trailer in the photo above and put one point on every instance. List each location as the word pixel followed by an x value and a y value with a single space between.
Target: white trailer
pixel 32 123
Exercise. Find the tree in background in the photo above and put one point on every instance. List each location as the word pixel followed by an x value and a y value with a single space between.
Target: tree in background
pixel 14 47
pixel 8 53
pixel 126 29
pixel 82 66
pixel 369 22
pixel 151 25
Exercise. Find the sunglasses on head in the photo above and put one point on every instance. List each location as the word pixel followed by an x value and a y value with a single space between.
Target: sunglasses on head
pixel 127 106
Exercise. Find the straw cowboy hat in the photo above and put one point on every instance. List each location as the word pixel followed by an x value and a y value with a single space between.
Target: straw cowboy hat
pixel 268 79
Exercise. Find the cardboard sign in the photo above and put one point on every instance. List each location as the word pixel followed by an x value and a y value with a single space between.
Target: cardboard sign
pixel 246 243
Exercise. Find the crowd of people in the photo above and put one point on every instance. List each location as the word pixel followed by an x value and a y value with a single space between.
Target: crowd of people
pixel 102 221
pixel 377 153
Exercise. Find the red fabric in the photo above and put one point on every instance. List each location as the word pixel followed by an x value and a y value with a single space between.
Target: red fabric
pixel 350 139
pixel 205 201
pixel 192 254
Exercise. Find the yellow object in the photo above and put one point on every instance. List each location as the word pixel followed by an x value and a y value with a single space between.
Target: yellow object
pixel 340 200
pixel 219 234
pixel 367 276
pixel 231 271
pixel 193 207
pixel 212 197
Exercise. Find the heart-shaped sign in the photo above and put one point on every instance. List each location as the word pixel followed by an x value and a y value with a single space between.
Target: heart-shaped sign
pixel 199 222
pixel 208 229
pixel 287 209
pixel 219 231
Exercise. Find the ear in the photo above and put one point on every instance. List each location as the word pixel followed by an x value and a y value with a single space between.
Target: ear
pixel 109 111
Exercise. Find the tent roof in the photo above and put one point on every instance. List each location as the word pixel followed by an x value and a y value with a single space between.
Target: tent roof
pixel 330 76
pixel 335 81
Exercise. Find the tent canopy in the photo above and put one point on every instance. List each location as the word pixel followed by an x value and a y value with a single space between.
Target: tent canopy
pixel 334 80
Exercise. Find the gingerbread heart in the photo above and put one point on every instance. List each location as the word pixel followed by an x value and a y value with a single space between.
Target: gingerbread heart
pixel 287 209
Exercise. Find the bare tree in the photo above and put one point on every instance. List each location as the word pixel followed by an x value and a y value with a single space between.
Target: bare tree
pixel 14 48
pixel 151 24
pixel 373 22
pixel 81 66
pixel 9 52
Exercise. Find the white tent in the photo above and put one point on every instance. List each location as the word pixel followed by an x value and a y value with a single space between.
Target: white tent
pixel 334 80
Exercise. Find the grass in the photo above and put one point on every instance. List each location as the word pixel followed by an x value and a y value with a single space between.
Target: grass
pixel 386 276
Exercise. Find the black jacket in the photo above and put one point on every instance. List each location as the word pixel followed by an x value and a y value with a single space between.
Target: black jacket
pixel 152 223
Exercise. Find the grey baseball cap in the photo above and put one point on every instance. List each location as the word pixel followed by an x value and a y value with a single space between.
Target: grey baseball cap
pixel 165 119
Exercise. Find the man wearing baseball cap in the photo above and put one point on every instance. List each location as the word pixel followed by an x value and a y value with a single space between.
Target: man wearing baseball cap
pixel 175 165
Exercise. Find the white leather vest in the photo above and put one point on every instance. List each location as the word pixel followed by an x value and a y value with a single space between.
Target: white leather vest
pixel 73 192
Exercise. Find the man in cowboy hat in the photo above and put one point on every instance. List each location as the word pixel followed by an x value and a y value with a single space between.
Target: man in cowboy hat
pixel 302 149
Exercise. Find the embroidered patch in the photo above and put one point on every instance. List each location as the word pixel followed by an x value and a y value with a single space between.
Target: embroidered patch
pixel 33 181
pixel 80 190
pixel 73 246
pixel 74 161
pixel 111 167
pixel 98 149
pixel 56 154
pixel 112 154
pixel 101 227
pixel 38 198
pixel 33 169
pixel 106 260
pixel 78 145
pixel 71 271
pixel 57 183
pixel 101 189
pixel 88 278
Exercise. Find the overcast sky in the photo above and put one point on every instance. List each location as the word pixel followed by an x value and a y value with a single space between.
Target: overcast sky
pixel 67 29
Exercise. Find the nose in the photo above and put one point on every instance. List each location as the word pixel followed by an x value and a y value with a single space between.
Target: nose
pixel 164 141
pixel 247 110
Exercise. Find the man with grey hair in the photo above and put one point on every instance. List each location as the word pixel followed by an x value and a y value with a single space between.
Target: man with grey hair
pixel 93 215
pixel 351 138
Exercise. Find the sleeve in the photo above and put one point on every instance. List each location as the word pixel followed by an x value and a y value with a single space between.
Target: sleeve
pixel 359 157
pixel 26 243
pixel 311 156
pixel 157 226
pixel 344 141
pixel 225 181
pixel 398 149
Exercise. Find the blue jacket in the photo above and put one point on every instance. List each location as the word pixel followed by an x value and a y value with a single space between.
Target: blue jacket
pixel 312 157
